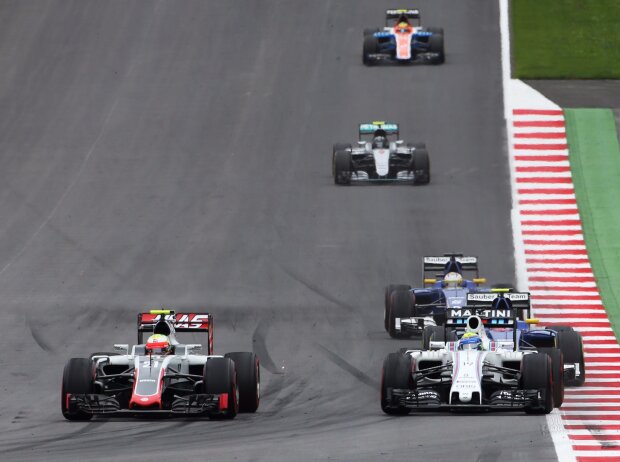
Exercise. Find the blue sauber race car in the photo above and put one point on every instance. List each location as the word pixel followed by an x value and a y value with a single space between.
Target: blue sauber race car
pixel 403 40
pixel 408 310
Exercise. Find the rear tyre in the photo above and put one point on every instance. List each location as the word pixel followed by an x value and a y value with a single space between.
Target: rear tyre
pixel 400 307
pixel 571 344
pixel 342 168
pixel 561 328
pixel 435 43
pixel 435 30
pixel 77 379
pixel 371 30
pixel 436 334
pixel 396 374
pixel 388 292
pixel 536 374
pixel 248 379
pixel 371 46
pixel 421 167
pixel 219 378
pixel 557 366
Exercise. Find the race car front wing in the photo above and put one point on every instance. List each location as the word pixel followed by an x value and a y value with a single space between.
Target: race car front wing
pixel 99 404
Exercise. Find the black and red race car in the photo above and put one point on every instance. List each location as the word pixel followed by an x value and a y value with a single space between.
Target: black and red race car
pixel 162 376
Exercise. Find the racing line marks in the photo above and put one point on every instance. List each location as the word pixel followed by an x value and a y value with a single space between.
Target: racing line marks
pixel 561 280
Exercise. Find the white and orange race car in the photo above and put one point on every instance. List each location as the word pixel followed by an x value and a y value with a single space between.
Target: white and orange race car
pixel 403 40
pixel 162 375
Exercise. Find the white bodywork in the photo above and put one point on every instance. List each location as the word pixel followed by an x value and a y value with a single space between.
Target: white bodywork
pixel 382 161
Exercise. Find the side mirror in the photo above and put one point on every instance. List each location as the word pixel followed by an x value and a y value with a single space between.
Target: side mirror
pixel 399 142
pixel 124 347
pixel 436 345
pixel 430 281
pixel 480 280
pixel 194 347
pixel 532 321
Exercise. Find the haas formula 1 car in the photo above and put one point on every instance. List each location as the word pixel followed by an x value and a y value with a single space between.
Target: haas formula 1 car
pixel 403 40
pixel 474 372
pixel 380 156
pixel 162 376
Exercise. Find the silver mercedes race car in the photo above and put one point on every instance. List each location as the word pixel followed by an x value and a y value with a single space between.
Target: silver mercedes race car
pixel 380 155
pixel 162 376
pixel 474 372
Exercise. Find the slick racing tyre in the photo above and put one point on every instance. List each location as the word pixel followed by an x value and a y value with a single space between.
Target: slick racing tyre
pixel 400 307
pixel 421 166
pixel 571 344
pixel 396 374
pixel 338 147
pixel 434 30
pixel 219 378
pixel 536 374
pixel 342 168
pixel 557 365
pixel 248 379
pixel 436 334
pixel 435 43
pixel 561 328
pixel 371 30
pixel 388 293
pixel 371 46
pixel 77 379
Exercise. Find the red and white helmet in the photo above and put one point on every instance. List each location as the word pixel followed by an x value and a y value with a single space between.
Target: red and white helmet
pixel 158 344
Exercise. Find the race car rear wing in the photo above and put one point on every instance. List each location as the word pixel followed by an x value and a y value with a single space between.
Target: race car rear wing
pixel 434 264
pixel 519 302
pixel 397 13
pixel 389 128
pixel 181 322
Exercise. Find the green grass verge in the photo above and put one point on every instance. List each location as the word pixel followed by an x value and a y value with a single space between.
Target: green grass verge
pixel 558 39
pixel 595 165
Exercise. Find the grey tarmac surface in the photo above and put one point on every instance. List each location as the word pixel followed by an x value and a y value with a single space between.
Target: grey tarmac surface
pixel 178 153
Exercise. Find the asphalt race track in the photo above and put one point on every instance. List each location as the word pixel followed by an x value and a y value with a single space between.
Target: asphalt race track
pixel 178 153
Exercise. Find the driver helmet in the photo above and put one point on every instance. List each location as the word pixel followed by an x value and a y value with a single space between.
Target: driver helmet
pixel 452 279
pixel 470 341
pixel 402 26
pixel 158 344
pixel 380 142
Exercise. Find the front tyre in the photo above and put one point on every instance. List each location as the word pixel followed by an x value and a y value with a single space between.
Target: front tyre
pixel 421 166
pixel 537 374
pixel 343 165
pixel 220 378
pixel 396 374
pixel 371 46
pixel 78 378
pixel 388 294
pixel 401 305
pixel 435 43
pixel 248 379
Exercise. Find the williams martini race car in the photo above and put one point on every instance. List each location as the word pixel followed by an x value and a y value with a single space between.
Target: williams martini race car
pixel 408 310
pixel 380 155
pixel 403 40
pixel 515 308
pixel 472 373
pixel 162 376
